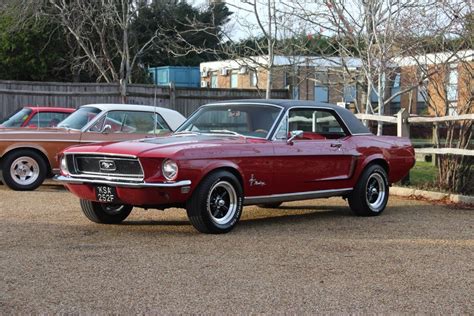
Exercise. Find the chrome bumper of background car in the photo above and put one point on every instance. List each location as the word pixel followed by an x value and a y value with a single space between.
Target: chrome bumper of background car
pixel 65 179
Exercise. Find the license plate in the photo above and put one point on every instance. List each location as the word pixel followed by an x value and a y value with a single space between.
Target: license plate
pixel 106 194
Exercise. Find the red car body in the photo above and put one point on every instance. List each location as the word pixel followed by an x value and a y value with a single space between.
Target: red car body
pixel 269 170
pixel 28 117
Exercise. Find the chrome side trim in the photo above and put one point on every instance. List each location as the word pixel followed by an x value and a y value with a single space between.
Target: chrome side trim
pixel 294 196
pixel 65 179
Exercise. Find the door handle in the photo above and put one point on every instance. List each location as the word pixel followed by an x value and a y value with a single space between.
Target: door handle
pixel 336 145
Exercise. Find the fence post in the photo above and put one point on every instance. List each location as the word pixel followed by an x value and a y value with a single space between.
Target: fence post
pixel 403 128
pixel 172 95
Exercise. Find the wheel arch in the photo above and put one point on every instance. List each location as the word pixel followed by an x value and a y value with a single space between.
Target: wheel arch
pixel 37 150
pixel 229 167
pixel 374 160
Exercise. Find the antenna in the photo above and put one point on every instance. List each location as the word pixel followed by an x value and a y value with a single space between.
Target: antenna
pixel 37 115
pixel 155 115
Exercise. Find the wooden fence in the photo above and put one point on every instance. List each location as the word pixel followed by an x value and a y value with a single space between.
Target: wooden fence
pixel 15 94
pixel 403 121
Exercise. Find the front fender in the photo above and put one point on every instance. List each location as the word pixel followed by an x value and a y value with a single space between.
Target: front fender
pixel 197 170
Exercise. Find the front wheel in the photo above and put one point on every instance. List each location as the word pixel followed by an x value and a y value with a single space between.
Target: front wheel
pixel 216 204
pixel 104 213
pixel 370 195
pixel 24 170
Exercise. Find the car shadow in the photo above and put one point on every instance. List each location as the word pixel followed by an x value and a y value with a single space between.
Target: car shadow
pixel 283 214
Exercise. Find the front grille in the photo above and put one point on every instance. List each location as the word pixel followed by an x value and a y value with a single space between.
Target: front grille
pixel 103 166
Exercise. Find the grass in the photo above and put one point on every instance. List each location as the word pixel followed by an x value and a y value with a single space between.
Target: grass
pixel 423 176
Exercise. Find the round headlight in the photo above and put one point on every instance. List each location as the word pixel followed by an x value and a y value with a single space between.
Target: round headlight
pixel 63 165
pixel 170 169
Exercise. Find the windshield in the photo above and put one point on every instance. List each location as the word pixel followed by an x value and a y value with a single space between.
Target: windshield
pixel 17 118
pixel 79 118
pixel 244 119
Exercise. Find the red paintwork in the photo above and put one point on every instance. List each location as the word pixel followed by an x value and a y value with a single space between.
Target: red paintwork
pixel 304 165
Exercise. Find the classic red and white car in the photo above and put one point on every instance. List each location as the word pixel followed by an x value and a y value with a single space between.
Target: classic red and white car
pixel 236 153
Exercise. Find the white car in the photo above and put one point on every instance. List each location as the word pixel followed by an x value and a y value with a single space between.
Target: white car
pixel 27 157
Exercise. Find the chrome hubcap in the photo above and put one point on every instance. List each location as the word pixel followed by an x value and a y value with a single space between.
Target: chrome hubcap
pixel 24 170
pixel 222 202
pixel 375 192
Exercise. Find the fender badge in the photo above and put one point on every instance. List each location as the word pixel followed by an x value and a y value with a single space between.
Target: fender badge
pixel 254 182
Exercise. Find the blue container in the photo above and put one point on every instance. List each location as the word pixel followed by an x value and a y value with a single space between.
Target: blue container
pixel 181 76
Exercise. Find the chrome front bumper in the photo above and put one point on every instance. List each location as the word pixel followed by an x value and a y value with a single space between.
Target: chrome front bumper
pixel 71 180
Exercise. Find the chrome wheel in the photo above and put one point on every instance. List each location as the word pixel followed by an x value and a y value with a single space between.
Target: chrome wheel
pixel 24 170
pixel 375 192
pixel 222 202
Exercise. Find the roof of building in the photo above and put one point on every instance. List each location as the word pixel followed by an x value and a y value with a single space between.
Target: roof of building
pixel 298 61
pixel 436 58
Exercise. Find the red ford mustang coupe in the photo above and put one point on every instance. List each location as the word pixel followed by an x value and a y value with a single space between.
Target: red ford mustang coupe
pixel 236 153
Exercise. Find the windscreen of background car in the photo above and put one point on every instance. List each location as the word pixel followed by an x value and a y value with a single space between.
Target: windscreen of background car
pixel 16 119
pixel 248 120
pixel 79 118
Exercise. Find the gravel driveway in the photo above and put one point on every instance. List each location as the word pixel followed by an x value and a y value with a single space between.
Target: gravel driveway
pixel 306 257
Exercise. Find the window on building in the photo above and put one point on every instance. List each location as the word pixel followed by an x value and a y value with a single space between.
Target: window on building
pixel 452 84
pixel 234 80
pixel 253 78
pixel 321 93
pixel 214 80
pixel 321 88
pixel 350 92
pixel 396 88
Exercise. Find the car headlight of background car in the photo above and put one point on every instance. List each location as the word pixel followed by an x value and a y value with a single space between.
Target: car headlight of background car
pixel 169 169
pixel 63 165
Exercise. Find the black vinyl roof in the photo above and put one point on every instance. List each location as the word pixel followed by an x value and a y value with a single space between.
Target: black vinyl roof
pixel 354 125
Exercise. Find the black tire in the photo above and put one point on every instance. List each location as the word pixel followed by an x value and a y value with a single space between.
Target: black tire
pixel 371 192
pixel 103 213
pixel 270 205
pixel 216 204
pixel 24 170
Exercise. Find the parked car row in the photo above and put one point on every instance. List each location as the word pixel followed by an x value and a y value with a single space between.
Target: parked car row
pixel 224 156
pixel 28 157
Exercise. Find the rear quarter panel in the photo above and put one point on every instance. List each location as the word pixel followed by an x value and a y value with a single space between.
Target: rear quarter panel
pixel 397 152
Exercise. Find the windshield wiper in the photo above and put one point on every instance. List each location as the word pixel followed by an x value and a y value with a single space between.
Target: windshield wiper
pixel 224 131
pixel 186 132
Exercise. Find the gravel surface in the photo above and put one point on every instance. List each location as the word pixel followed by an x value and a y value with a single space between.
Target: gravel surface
pixel 306 257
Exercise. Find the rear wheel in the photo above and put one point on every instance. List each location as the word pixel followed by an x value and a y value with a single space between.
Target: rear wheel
pixel 216 204
pixel 104 213
pixel 370 195
pixel 24 170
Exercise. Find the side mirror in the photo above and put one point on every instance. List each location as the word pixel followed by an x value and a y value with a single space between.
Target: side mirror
pixel 294 134
pixel 106 129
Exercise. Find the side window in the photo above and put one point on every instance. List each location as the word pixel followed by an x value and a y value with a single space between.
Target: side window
pixel 47 119
pixel 129 122
pixel 319 124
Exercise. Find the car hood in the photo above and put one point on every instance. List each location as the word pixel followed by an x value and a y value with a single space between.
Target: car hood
pixel 166 146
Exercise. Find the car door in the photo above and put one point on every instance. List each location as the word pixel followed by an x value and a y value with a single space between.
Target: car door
pixel 125 125
pixel 321 158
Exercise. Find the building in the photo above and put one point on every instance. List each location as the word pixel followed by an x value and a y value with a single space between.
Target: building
pixel 422 84
pixel 306 77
